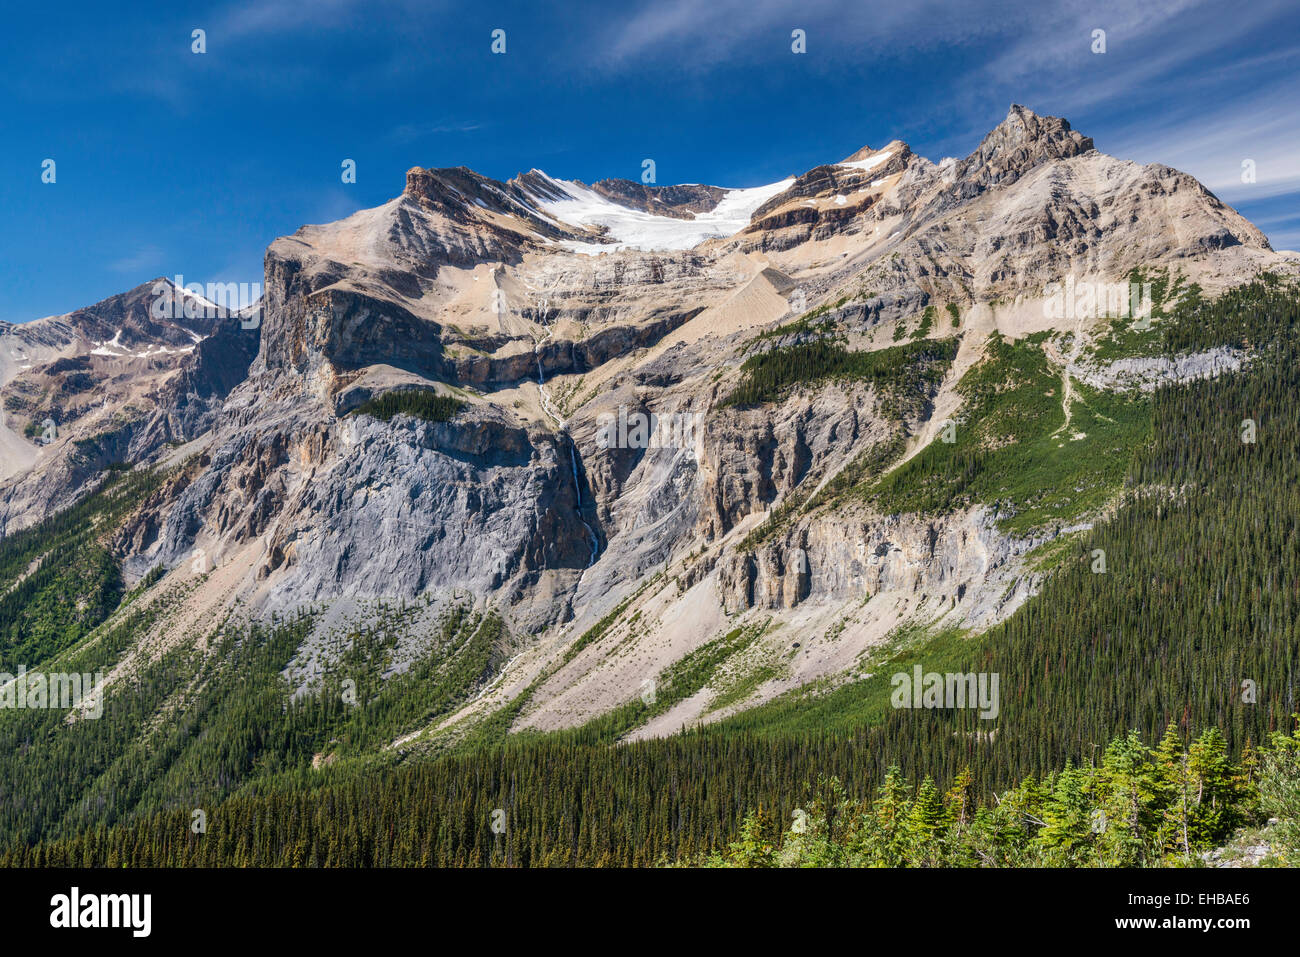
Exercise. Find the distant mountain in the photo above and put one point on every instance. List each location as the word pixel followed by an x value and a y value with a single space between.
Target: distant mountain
pixel 113 382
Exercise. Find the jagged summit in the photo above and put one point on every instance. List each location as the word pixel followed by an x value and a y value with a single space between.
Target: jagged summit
pixel 867 157
pixel 614 214
pixel 1020 142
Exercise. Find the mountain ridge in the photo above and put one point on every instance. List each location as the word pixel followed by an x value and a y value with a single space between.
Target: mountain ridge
pixel 542 327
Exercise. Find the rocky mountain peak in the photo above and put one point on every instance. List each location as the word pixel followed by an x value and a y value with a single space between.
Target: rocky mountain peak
pixel 451 190
pixel 464 197
pixel 1019 143
pixel 1023 125
pixel 895 148
pixel 153 313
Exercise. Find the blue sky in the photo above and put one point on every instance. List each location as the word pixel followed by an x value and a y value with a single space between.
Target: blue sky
pixel 169 162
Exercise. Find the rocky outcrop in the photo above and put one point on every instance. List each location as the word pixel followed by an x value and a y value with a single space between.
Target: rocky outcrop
pixel 188 403
pixel 460 196
pixel 681 202
pixel 833 559
pixel 108 385
pixel 1150 372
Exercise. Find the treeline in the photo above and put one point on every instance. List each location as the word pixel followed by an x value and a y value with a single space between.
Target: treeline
pixel 1182 606
pixel 568 800
pixel 719 800
pixel 192 727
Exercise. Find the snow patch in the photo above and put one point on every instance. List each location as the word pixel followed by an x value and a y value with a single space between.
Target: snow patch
pixel 871 162
pixel 163 351
pixel 634 229
pixel 112 347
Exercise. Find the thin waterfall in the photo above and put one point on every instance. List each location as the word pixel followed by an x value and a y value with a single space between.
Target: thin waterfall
pixel 549 409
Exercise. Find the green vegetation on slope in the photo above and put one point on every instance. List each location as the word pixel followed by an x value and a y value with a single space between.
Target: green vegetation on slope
pixel 1200 592
pixel 58 579
pixel 927 323
pixel 814 322
pixel 422 403
pixel 723 802
pixel 1011 448
pixel 191 728
pixel 904 375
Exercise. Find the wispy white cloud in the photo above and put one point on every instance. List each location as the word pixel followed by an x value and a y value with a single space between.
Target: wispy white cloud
pixel 1283 230
pixel 1212 143
pixel 146 258
pixel 1133 99
pixel 1039 54
pixel 407 132
pixel 273 17
pixel 699 37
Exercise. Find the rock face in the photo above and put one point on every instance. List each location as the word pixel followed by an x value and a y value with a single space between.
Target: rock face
pixel 356 507
pixel 947 562
pixel 680 202
pixel 1150 372
pixel 481 290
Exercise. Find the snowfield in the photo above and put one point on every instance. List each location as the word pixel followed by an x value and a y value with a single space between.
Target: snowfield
pixel 634 229
pixel 869 163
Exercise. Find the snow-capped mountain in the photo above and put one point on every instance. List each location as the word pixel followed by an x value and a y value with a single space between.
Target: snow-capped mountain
pixel 553 311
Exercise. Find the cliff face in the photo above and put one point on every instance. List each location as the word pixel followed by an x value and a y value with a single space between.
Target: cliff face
pixel 548 329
